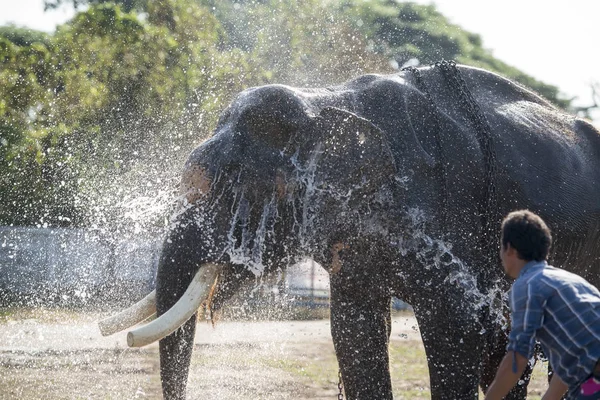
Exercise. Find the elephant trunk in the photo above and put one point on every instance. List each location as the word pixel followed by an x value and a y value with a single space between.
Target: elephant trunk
pixel 185 276
pixel 176 345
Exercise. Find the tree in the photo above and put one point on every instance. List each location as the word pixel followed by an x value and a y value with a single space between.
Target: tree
pixel 103 98
pixel 33 190
pixel 24 36
pixel 408 31
pixel 126 5
pixel 587 111
pixel 103 112
pixel 308 43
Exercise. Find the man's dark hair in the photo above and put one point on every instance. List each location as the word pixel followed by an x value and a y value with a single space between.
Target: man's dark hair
pixel 528 234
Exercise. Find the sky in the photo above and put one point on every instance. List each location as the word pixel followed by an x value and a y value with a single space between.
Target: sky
pixel 31 13
pixel 553 41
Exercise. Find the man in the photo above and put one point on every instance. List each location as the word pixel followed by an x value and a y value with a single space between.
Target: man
pixel 559 309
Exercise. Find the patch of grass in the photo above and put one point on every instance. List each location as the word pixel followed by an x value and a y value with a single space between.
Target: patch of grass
pixel 410 374
pixel 6 313
pixel 316 366
pixel 320 369
pixel 45 314
pixel 408 367
pixel 539 381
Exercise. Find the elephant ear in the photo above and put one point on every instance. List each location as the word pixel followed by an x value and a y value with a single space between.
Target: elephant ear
pixel 355 154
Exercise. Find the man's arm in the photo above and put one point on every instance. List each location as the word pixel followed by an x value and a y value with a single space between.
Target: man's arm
pixel 556 390
pixel 526 317
pixel 505 377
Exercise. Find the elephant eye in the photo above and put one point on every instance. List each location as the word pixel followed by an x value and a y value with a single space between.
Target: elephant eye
pixel 231 169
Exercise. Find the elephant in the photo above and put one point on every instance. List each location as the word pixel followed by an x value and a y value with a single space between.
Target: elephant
pixel 397 184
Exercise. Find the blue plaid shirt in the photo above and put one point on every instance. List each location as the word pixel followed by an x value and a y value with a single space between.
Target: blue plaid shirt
pixel 562 311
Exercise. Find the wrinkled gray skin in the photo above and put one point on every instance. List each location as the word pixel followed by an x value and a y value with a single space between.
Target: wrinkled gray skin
pixel 306 172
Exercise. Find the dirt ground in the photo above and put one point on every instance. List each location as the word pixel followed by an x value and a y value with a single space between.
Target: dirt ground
pixel 61 355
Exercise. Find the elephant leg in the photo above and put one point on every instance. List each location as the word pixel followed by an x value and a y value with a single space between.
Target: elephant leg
pixel 360 327
pixel 453 345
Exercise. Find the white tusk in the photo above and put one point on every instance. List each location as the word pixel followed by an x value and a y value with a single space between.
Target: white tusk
pixel 180 312
pixel 129 317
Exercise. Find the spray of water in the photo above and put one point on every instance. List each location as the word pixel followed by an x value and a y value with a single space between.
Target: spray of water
pixel 436 256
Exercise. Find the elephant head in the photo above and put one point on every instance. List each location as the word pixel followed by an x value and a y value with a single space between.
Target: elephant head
pixel 281 178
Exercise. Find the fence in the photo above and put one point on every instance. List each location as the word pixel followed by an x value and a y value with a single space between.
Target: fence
pixel 72 266
pixel 80 266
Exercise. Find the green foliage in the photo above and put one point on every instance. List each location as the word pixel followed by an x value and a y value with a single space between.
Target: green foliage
pixel 305 43
pixel 406 30
pixel 127 5
pixel 24 73
pixel 23 36
pixel 96 103
pixel 104 110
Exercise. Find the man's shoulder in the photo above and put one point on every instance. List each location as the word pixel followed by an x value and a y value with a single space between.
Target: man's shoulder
pixel 551 273
pixel 562 276
pixel 549 280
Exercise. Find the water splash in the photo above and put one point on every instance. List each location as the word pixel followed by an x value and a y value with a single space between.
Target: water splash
pixel 436 254
pixel 251 248
pixel 305 206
